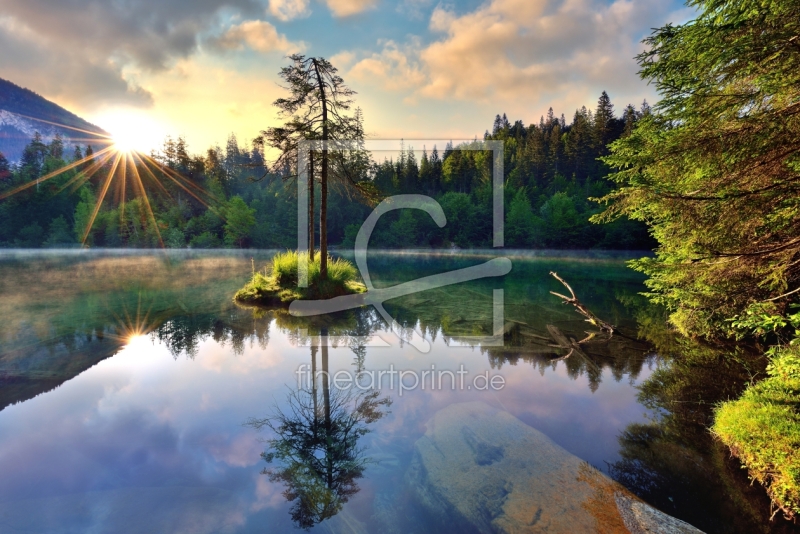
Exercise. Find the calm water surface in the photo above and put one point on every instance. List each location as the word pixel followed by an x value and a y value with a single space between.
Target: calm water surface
pixel 127 381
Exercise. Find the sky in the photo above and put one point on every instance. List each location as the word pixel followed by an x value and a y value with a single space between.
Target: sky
pixel 204 69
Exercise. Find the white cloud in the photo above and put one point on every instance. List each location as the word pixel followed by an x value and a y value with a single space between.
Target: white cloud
pixel 414 9
pixel 346 8
pixel 289 9
pixel 257 35
pixel 80 52
pixel 391 68
pixel 522 52
pixel 441 19
pixel 343 60
pixel 74 77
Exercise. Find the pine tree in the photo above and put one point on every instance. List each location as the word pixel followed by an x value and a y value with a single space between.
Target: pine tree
pixel 629 118
pixel 498 125
pixel 33 157
pixel 714 168
pixel 169 152
pixel 603 123
pixel 316 110
pixel 436 170
pixel 182 159
pixel 425 171
pixel 5 168
pixel 56 148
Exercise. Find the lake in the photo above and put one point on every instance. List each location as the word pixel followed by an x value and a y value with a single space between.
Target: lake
pixel 135 396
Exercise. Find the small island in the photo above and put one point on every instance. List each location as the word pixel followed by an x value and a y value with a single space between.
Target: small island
pixel 280 288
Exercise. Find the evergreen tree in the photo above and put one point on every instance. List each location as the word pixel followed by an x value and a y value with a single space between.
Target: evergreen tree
pixel 520 221
pixel 240 219
pixel 603 122
pixel 58 233
pixel 33 157
pixel 498 125
pixel 170 153
pixel 182 159
pixel 425 172
pixel 714 169
pixel 5 169
pixel 629 120
pixel 317 104
pixel 56 148
pixel 436 170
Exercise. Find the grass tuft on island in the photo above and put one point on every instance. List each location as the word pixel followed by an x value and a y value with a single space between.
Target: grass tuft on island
pixel 762 429
pixel 279 288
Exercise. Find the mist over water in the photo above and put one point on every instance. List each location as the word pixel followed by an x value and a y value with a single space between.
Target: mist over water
pixel 128 379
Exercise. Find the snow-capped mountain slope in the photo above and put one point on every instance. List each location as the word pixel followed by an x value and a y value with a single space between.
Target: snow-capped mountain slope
pixel 23 113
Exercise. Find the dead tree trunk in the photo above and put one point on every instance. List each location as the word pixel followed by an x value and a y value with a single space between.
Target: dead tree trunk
pixel 581 308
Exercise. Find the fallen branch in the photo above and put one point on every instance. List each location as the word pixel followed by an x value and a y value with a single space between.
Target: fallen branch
pixel 583 310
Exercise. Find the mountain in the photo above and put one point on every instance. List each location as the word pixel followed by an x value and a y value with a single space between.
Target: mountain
pixel 23 113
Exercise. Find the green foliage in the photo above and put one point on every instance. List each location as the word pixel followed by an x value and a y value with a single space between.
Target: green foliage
pixel 561 220
pixel 30 236
pixel 239 220
pixel 174 238
pixel 83 214
pixel 715 170
pixel 205 240
pixel 520 221
pixel 280 285
pixel 553 162
pixel 284 269
pixel 59 233
pixel 763 318
pixel 762 428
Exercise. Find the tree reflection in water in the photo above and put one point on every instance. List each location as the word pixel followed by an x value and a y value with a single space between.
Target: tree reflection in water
pixel 315 453
pixel 672 461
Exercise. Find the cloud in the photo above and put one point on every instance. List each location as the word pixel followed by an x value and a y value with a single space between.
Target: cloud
pixel 391 68
pixel 521 52
pixel 257 35
pixel 65 74
pixel 288 9
pixel 343 60
pixel 346 8
pixel 80 51
pixel 441 19
pixel 414 9
pixel 149 33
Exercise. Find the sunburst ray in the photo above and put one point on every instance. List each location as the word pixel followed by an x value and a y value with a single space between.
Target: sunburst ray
pixel 136 155
pixel 120 163
pixel 137 181
pixel 53 174
pixel 86 174
pixel 103 136
pixel 101 197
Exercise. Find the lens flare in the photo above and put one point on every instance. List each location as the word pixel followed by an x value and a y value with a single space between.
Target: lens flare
pixel 124 143
pixel 124 166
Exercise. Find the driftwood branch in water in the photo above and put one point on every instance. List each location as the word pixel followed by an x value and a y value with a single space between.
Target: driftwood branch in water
pixel 583 310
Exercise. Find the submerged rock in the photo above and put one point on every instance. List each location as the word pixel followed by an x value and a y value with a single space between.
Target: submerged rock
pixel 479 469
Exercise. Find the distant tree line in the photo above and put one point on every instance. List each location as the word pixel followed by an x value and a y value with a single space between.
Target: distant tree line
pixel 552 172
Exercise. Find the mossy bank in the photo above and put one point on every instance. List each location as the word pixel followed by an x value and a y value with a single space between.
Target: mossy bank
pixel 762 429
pixel 277 285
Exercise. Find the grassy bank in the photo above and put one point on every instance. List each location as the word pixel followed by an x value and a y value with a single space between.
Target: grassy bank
pixel 277 284
pixel 762 428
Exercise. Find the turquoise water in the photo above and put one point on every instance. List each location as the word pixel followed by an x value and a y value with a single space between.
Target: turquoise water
pixel 130 384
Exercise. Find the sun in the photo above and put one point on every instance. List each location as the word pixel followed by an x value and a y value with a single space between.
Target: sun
pixel 124 142
pixel 132 130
